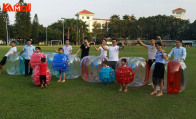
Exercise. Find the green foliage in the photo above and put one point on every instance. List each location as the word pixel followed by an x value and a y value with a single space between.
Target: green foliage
pixel 35 29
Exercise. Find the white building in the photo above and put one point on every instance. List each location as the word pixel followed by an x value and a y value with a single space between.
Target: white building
pixel 87 17
pixel 179 13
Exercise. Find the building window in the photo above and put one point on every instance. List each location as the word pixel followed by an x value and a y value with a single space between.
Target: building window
pixel 88 17
pixel 82 17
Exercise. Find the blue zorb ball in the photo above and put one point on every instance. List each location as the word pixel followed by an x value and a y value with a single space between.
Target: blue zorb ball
pixel 59 62
pixel 106 74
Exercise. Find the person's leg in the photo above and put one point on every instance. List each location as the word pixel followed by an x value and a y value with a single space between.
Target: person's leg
pixel 2 63
pixel 59 76
pixel 182 79
pixel 26 68
pixel 126 86
pixel 31 70
pixel 45 83
pixel 121 87
pixel 161 89
pixel 63 77
pixel 41 83
pixel 155 86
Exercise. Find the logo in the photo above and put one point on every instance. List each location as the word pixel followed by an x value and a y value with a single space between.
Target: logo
pixel 7 7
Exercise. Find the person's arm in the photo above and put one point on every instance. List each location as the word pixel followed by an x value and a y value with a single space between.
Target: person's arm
pixel 78 51
pixel 164 55
pixel 122 47
pixel 140 41
pixel 22 51
pixel 170 54
pixel 183 55
pixel 97 49
pixel 160 39
pixel 104 47
pixel 88 45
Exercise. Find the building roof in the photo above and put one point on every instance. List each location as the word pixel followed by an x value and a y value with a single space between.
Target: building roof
pixel 85 12
pixel 101 19
pixel 179 9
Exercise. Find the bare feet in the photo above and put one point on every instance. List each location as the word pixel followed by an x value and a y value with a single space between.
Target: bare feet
pixel 125 90
pixel 154 93
pixel 46 86
pixel 42 86
pixel 63 81
pixel 159 94
pixel 120 90
pixel 59 80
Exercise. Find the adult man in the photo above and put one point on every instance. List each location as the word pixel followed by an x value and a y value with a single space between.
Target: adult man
pixel 66 48
pixel 151 49
pixel 85 47
pixel 28 49
pixel 178 51
pixel 113 53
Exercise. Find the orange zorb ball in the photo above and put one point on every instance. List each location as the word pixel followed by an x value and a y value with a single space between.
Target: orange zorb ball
pixel 124 75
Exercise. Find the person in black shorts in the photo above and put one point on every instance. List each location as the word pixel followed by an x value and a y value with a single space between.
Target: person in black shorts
pixel 85 47
pixel 12 51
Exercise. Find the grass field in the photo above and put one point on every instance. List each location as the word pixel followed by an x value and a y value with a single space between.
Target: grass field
pixel 76 99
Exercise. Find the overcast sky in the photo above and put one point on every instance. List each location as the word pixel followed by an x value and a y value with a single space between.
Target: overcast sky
pixel 50 11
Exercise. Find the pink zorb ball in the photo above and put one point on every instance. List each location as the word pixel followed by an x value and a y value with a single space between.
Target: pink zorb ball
pixel 36 59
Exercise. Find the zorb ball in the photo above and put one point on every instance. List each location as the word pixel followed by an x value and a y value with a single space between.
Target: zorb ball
pixel 90 66
pixel 15 65
pixel 140 69
pixel 59 62
pixel 175 77
pixel 74 70
pixel 106 75
pixel 36 76
pixel 124 75
pixel 50 56
pixel 36 59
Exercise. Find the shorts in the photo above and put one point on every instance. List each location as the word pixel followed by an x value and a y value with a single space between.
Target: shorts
pixel 3 61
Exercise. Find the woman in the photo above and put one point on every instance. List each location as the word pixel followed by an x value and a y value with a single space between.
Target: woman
pixel 103 52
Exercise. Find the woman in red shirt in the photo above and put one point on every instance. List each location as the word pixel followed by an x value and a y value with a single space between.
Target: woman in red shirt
pixel 43 67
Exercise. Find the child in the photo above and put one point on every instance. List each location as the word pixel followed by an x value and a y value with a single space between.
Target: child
pixel 43 67
pixel 106 74
pixel 12 51
pixel 159 70
pixel 36 57
pixel 62 53
pixel 124 64
pixel 105 63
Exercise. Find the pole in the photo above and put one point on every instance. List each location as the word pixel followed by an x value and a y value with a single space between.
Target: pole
pixel 7 31
pixel 63 32
pixel 46 36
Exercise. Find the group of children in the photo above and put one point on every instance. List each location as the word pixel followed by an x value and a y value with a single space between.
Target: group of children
pixel 155 54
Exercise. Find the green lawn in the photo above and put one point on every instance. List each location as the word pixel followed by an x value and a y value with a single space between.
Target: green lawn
pixel 76 99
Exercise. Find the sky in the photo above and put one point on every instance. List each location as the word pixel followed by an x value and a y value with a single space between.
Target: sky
pixel 50 11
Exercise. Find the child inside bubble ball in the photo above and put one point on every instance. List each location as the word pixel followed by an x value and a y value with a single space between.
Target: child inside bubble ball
pixel 124 64
pixel 61 51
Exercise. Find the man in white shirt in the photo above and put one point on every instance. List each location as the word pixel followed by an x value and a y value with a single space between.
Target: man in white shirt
pixel 66 48
pixel 151 49
pixel 28 49
pixel 103 52
pixel 12 51
pixel 113 53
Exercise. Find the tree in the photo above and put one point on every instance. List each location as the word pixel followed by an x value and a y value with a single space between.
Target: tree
pixel 35 29
pixel 3 35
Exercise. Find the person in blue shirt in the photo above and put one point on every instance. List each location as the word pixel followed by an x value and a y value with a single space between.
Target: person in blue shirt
pixel 159 70
pixel 178 51
pixel 28 49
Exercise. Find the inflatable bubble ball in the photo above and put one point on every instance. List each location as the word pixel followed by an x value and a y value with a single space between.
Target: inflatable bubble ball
pixel 106 75
pixel 175 77
pixel 15 64
pixel 36 76
pixel 36 59
pixel 124 75
pixel 50 56
pixel 90 66
pixel 59 62
pixel 74 70
pixel 140 68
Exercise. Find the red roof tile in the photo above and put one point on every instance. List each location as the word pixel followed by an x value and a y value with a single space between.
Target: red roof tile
pixel 179 9
pixel 85 12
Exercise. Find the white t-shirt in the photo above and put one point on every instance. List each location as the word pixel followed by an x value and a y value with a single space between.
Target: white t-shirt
pixel 12 50
pixel 151 51
pixel 114 53
pixel 103 52
pixel 67 49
